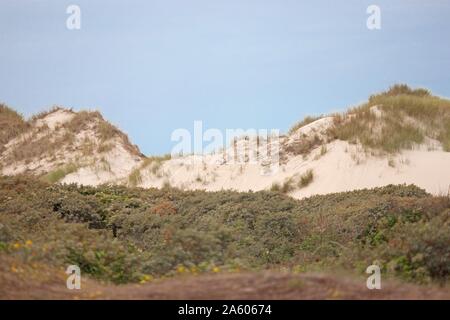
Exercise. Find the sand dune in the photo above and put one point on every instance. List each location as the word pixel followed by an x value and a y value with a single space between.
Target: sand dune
pixel 336 165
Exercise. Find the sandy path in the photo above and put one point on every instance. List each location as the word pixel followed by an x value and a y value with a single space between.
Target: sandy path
pixel 261 285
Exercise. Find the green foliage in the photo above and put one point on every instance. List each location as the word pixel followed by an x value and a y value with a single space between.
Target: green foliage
pixel 107 261
pixel 118 234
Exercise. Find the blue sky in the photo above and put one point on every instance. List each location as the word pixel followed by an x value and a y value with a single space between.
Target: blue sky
pixel 154 66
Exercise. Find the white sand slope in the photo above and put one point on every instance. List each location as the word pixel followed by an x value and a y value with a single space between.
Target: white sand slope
pixel 56 118
pixel 343 167
pixel 337 165
pixel 80 151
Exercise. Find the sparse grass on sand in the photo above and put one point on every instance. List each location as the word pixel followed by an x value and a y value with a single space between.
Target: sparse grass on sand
pixel 58 174
pixel 406 117
pixel 152 162
pixel 307 120
pixel 135 177
pixel 397 119
pixel 155 162
pixel 42 142
pixel 288 185
pixel 45 113
pixel 292 183
pixel 306 178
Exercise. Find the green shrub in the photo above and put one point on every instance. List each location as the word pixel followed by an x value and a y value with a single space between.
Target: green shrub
pixel 106 261
pixel 117 234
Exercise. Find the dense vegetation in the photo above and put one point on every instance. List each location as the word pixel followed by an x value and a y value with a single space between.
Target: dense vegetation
pixel 124 234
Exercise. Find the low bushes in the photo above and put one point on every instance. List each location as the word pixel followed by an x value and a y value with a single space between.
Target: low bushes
pixel 123 234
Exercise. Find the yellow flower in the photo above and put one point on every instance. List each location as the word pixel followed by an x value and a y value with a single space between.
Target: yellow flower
pixel 216 269
pixel 28 243
pixel 146 278
pixel 194 270
pixel 16 245
pixel 181 269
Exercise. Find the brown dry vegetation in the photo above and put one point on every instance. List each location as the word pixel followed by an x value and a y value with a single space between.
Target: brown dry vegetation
pixel 29 148
pixel 304 145
pixel 43 142
pixel 45 113
pixel 307 120
pixel 12 124
pixel 306 179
